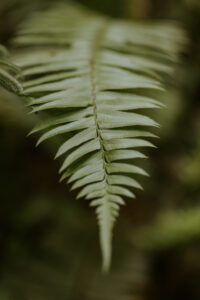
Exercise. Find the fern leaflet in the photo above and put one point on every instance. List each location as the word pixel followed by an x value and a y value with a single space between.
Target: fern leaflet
pixel 8 73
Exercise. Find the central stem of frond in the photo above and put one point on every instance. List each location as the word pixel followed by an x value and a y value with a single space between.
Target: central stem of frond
pixel 99 34
pixel 106 224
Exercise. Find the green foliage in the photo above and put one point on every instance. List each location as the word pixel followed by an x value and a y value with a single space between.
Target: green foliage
pixel 171 228
pixel 7 73
pixel 92 80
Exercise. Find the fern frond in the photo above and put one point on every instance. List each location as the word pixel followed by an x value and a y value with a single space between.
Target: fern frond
pixel 8 73
pixel 89 77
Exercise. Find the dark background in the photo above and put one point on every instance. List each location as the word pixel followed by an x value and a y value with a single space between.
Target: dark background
pixel 49 241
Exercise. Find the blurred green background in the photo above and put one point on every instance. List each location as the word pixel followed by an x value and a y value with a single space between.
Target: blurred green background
pixel 49 241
